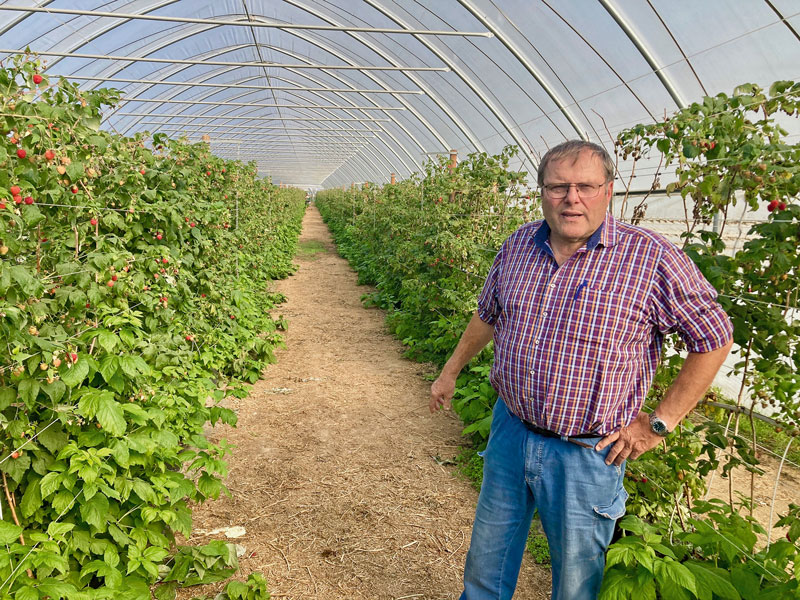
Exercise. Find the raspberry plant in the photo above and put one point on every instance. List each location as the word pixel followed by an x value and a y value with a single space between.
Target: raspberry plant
pixel 131 304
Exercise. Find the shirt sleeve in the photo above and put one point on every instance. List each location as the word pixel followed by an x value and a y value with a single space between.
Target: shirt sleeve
pixel 684 302
pixel 489 306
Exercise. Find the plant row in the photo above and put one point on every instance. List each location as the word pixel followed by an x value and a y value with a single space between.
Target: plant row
pixel 426 243
pixel 134 298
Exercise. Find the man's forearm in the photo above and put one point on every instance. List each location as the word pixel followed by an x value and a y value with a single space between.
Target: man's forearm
pixel 693 380
pixel 475 337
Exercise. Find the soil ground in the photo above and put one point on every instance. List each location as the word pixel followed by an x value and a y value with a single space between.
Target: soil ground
pixel 341 478
pixel 336 475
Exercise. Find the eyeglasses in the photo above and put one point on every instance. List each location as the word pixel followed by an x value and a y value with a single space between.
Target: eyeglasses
pixel 585 190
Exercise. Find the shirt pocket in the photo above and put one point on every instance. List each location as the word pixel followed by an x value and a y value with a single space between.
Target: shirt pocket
pixel 611 319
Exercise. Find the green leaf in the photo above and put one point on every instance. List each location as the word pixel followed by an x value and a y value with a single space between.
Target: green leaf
pixel 690 151
pixel 32 215
pixel 113 578
pixel 59 530
pixel 209 485
pixel 128 365
pixel 50 484
pixel 57 589
pixel 90 400
pixel 9 533
pixel 167 591
pixel 118 535
pixel 119 450
pixel 55 390
pixel 95 511
pixel 676 582
pixel 109 365
pixel 236 589
pixel 135 588
pixel 31 499
pixel 107 340
pixel 109 414
pixel 746 581
pixel 26 592
pixel 144 490
pixel 111 556
pixel 73 374
pixel 75 170
pixel 7 396
pixel 712 580
pixel 25 280
pixel 155 554
pixel 92 123
pixel 616 585
pixel 28 390
pixel 54 438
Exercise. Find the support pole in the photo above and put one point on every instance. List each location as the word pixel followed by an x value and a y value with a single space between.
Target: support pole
pixel 452 167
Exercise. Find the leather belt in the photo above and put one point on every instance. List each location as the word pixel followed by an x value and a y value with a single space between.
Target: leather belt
pixel 575 439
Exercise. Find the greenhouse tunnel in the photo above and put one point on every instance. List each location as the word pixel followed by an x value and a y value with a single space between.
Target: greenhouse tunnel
pixel 324 94
pixel 194 194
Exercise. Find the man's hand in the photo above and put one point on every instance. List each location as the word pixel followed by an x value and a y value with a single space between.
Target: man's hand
pixel 630 442
pixel 475 337
pixel 442 392
pixel 695 376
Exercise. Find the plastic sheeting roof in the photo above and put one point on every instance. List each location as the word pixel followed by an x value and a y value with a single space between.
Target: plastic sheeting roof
pixel 329 92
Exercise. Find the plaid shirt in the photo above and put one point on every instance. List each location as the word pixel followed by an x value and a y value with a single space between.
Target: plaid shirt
pixel 576 346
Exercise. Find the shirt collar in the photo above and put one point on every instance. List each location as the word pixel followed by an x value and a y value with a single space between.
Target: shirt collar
pixel 607 234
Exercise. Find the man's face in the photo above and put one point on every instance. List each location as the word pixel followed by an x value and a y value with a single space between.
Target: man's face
pixel 574 218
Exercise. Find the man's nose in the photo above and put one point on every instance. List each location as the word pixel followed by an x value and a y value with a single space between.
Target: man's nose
pixel 572 193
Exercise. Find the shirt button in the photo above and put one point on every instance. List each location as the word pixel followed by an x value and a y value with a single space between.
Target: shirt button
pixel 532 371
pixel 536 342
pixel 544 314
pixel 552 285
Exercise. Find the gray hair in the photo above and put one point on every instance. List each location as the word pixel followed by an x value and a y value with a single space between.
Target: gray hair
pixel 572 149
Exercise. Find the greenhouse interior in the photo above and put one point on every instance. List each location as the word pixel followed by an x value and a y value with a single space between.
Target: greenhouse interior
pixel 246 244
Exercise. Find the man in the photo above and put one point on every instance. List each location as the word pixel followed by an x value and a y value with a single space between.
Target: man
pixel 578 305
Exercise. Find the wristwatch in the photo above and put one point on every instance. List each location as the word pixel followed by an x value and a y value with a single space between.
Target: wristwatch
pixel 658 426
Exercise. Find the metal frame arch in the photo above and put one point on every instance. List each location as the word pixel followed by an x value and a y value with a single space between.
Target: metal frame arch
pixel 343 98
pixel 501 67
pixel 368 141
pixel 156 4
pixel 525 62
pixel 154 46
pixel 167 70
pixel 381 127
pixel 599 55
pixel 394 119
pixel 204 77
pixel 194 29
pixel 186 31
pixel 523 144
pixel 44 3
pixel 629 31
pixel 382 84
pixel 313 150
pixel 419 83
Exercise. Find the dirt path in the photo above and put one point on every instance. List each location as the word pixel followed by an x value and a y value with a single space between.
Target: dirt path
pixel 334 476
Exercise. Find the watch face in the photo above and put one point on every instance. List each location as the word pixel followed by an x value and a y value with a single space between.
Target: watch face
pixel 658 426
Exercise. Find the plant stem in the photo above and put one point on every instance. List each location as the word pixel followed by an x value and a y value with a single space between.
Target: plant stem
pixel 12 504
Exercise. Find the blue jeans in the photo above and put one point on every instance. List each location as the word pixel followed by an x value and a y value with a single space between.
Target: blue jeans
pixel 578 496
